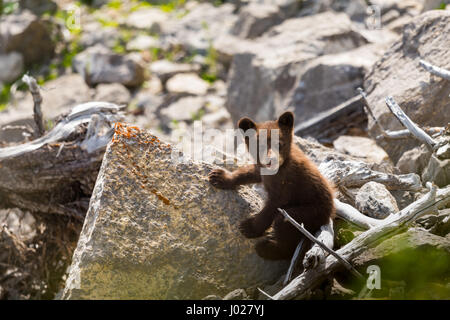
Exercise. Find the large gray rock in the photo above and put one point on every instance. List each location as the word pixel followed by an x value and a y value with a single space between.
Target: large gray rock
pixel 159 230
pixel 199 27
pixel 422 96
pixel 293 65
pixel 12 66
pixel 100 65
pixel 25 33
pixel 256 18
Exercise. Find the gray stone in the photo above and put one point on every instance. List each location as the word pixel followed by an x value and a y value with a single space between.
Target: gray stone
pixel 38 6
pixel 25 33
pixel 143 42
pixel 436 224
pixel 285 68
pixel 149 19
pixel 158 230
pixel 200 26
pixel 100 65
pixel 93 33
pixel 414 160
pixel 443 152
pixel 184 109
pixel 187 83
pixel 361 147
pixel 166 69
pixel 422 96
pixel 374 200
pixel 21 224
pixel 257 18
pixel 437 171
pixel 12 66
pixel 112 92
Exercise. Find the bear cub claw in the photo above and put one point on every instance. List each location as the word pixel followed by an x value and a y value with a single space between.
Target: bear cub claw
pixel 220 178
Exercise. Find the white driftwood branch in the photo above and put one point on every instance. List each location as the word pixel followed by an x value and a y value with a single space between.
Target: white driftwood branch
pixel 265 294
pixel 79 115
pixel 37 100
pixel 405 133
pixel 354 174
pixel 352 215
pixel 429 203
pixel 293 262
pixel 441 72
pixel 417 132
pixel 316 254
pixel 369 111
pixel 324 247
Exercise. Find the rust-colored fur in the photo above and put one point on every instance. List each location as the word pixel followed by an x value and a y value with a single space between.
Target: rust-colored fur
pixel 297 187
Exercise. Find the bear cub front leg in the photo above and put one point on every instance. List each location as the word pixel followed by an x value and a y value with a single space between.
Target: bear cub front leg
pixel 224 179
pixel 257 225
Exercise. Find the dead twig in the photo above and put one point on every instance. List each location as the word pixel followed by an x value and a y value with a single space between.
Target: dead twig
pixel 440 72
pixel 324 247
pixel 37 99
pixel 417 132
pixel 293 262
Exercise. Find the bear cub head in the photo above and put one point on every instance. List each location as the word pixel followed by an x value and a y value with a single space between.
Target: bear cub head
pixel 269 143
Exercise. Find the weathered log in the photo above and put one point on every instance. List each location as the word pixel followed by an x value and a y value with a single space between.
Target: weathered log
pixel 56 173
pixel 310 278
pixel 354 174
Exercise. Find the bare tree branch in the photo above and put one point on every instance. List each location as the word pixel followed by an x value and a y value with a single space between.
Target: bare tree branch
pixel 37 99
pixel 324 247
pixel 440 72
pixel 418 133
pixel 293 262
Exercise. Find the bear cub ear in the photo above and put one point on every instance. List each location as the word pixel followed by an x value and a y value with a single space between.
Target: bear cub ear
pixel 246 124
pixel 286 120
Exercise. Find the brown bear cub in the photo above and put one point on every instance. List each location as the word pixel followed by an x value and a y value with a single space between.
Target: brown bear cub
pixel 297 187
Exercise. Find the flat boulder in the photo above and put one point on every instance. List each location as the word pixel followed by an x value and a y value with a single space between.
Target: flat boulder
pixel 157 229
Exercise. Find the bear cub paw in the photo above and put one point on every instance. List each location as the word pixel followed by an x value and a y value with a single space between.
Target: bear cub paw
pixel 221 179
pixel 249 228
